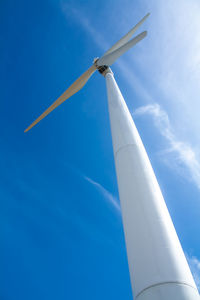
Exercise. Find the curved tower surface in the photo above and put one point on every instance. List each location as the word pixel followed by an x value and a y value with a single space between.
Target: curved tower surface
pixel 157 264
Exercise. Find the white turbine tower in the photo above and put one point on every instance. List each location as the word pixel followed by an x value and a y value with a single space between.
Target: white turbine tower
pixel 157 265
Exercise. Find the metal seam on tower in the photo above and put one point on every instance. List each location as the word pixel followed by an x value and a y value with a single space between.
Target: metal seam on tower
pixel 161 283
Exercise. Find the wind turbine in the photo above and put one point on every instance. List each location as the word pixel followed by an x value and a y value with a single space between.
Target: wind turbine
pixel 157 264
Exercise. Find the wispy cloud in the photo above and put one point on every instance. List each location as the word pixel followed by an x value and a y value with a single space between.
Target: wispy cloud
pixel 106 194
pixel 170 62
pixel 194 264
pixel 185 156
pixel 78 16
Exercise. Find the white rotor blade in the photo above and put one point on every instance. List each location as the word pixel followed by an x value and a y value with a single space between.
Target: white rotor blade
pixel 127 37
pixel 110 58
pixel 74 88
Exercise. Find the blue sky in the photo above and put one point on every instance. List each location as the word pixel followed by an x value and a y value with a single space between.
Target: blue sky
pixel 61 228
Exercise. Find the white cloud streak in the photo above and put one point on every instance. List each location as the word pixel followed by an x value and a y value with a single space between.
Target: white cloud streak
pixel 185 155
pixel 72 11
pixel 106 194
pixel 194 264
pixel 172 68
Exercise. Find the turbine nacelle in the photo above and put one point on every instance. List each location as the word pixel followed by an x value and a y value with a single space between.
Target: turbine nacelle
pixel 101 64
pixel 101 68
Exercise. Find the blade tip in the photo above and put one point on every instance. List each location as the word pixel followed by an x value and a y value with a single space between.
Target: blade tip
pixel 143 34
pixel 27 129
pixel 147 15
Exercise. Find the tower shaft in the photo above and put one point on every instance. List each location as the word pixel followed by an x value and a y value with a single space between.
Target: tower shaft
pixel 157 264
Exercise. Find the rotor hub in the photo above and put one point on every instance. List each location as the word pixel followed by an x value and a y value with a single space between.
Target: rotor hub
pixel 103 70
